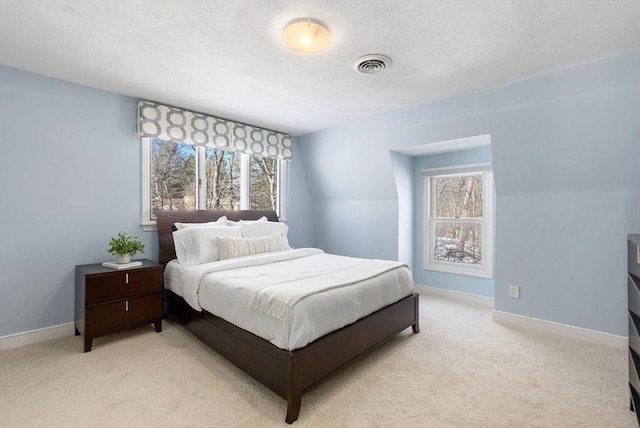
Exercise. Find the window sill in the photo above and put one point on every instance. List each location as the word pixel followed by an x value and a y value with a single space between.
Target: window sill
pixel 477 273
pixel 151 226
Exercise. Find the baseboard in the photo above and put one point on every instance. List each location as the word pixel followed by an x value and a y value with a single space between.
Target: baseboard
pixel 564 330
pixel 17 340
pixel 458 296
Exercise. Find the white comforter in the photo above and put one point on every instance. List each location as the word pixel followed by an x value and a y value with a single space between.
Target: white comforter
pixel 339 291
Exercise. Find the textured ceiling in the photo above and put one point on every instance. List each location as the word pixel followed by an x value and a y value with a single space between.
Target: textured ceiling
pixel 225 57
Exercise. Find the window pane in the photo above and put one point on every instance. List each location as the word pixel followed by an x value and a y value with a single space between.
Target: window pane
pixel 173 169
pixel 223 180
pixel 263 184
pixel 458 197
pixel 457 242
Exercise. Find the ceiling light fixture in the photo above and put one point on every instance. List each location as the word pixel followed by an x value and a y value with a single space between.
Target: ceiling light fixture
pixel 306 35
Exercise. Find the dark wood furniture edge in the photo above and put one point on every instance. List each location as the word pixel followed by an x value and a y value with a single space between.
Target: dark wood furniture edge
pixel 289 374
pixel 633 305
pixel 88 340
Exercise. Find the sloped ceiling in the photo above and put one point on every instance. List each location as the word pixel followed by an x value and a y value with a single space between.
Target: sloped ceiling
pixel 225 57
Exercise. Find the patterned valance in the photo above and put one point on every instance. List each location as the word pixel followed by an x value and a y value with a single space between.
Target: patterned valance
pixel 181 126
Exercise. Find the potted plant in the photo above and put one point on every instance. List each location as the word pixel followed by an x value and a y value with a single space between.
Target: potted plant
pixel 124 247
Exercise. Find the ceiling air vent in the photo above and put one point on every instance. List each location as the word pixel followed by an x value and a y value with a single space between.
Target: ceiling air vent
pixel 371 64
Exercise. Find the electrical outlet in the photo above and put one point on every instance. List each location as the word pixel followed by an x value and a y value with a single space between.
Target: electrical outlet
pixel 514 291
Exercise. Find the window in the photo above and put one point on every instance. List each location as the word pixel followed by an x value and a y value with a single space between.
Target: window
pixel 184 176
pixel 173 168
pixel 263 190
pixel 222 179
pixel 459 220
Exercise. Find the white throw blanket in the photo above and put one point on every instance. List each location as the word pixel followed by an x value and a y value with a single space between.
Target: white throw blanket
pixel 278 299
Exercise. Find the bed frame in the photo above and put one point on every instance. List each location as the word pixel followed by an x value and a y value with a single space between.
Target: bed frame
pixel 288 373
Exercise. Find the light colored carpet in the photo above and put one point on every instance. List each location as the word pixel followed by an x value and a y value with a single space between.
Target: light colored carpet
pixel 462 370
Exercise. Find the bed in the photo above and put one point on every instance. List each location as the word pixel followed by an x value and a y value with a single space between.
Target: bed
pixel 289 373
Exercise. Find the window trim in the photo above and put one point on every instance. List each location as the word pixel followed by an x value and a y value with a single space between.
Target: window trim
pixel 147 224
pixel 282 190
pixel 485 270
pixel 245 181
pixel 282 174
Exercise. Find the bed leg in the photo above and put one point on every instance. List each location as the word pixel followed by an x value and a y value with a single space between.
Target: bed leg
pixel 294 391
pixel 294 400
pixel 416 326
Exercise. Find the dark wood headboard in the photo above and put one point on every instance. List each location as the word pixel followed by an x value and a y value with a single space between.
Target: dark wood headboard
pixel 167 218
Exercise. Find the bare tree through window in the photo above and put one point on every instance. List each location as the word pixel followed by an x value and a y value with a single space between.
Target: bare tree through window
pixel 263 183
pixel 458 213
pixel 172 176
pixel 223 180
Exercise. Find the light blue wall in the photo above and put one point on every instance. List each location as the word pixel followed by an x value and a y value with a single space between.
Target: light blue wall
pixel 300 203
pixel 70 175
pixel 449 281
pixel 355 210
pixel 69 180
pixel 403 172
pixel 565 155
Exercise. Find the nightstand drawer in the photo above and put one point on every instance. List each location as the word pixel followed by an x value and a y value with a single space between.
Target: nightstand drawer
pixel 110 315
pixel 119 285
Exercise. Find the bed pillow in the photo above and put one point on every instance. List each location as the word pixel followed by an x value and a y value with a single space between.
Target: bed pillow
pixel 230 247
pixel 237 223
pixel 257 229
pixel 197 245
pixel 222 221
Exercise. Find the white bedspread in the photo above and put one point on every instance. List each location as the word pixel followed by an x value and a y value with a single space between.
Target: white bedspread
pixel 278 295
pixel 225 288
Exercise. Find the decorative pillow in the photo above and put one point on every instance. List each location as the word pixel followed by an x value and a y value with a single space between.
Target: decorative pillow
pixel 222 221
pixel 230 247
pixel 196 245
pixel 237 223
pixel 257 229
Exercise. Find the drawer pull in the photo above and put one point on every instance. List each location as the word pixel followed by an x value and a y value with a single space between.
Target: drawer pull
pixel 126 306
pixel 126 278
pixel 638 253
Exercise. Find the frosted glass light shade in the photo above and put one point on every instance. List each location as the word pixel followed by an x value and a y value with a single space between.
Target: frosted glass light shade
pixel 306 36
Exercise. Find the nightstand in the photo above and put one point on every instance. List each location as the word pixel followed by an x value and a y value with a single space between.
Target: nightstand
pixel 109 300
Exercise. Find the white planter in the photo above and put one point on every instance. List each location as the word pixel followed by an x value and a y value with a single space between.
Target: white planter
pixel 123 258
